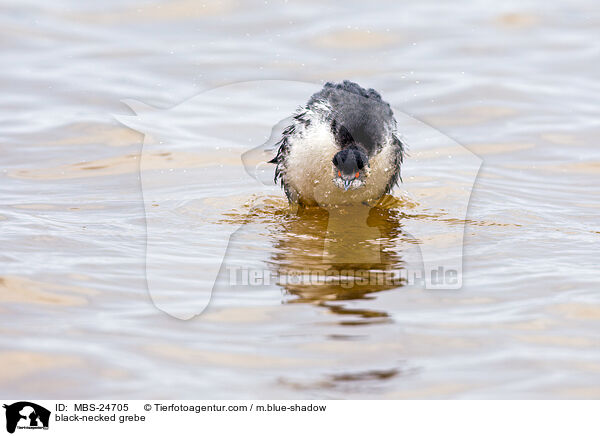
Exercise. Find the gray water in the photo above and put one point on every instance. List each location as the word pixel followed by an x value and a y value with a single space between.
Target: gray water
pixel 515 83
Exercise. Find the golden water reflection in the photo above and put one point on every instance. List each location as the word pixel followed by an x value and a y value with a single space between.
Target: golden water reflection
pixel 325 256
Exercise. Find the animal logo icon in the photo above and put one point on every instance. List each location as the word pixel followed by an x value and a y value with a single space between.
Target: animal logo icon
pixel 27 415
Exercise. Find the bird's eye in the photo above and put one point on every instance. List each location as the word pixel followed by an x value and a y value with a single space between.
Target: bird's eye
pixel 339 174
pixel 356 175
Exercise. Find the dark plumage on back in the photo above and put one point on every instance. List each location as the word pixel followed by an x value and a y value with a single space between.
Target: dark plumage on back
pixel 358 116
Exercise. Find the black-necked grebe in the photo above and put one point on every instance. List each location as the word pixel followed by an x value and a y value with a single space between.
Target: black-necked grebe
pixel 342 148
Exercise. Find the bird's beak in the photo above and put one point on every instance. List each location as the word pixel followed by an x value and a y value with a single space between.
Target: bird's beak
pixel 347 184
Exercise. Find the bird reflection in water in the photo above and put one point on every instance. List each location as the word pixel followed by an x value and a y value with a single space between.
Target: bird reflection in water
pixel 325 256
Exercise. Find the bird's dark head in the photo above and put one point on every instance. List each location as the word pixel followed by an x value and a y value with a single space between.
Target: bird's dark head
pixel 360 124
pixel 350 167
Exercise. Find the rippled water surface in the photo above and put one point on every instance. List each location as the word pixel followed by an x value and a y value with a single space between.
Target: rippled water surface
pixel 515 84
